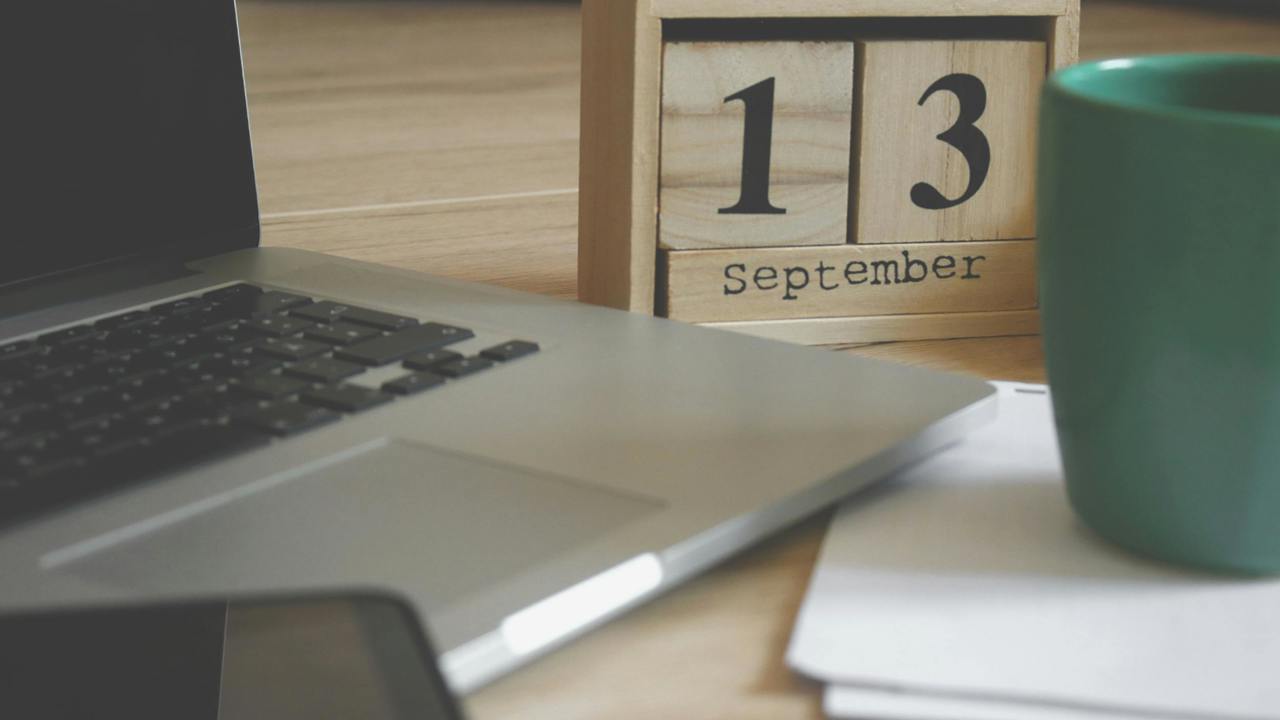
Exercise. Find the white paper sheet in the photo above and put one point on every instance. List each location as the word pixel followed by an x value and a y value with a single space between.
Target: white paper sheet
pixel 855 703
pixel 969 576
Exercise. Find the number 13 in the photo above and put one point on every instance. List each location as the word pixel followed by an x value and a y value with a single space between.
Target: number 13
pixel 963 135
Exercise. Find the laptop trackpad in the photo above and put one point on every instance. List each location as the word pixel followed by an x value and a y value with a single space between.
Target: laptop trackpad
pixel 407 515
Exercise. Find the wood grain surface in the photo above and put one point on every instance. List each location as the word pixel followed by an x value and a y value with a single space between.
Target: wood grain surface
pixel 442 137
pixel 809 121
pixel 900 140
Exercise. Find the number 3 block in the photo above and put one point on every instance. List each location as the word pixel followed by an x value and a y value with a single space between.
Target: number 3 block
pixel 947 140
pixel 755 144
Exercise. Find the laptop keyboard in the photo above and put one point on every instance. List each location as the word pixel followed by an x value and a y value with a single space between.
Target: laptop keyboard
pixel 90 408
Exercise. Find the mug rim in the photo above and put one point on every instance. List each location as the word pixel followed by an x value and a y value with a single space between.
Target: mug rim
pixel 1074 82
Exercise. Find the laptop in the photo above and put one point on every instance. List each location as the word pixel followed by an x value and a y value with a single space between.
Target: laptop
pixel 184 413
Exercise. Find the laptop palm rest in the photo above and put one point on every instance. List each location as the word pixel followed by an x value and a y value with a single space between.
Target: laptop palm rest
pixel 459 522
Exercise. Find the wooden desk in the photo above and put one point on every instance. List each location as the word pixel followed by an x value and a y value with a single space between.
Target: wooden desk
pixel 443 137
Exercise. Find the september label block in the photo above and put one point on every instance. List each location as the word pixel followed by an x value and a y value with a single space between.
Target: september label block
pixel 849 280
pixel 947 136
pixel 755 144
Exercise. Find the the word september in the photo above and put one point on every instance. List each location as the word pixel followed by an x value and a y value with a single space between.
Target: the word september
pixel 791 281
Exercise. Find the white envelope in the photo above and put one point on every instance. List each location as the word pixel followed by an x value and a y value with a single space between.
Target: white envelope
pixel 968 576
pixel 856 703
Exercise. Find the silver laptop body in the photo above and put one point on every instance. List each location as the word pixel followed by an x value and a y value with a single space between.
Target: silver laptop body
pixel 515 508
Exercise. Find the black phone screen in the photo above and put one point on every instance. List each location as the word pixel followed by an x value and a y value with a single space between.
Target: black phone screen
pixel 317 658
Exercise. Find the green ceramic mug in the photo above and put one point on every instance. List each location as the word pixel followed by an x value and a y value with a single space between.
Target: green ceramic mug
pixel 1159 230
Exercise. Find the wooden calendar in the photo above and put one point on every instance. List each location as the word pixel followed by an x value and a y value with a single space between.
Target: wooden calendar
pixel 820 171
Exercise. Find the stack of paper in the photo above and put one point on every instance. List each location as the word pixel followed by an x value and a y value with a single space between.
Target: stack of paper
pixel 966 590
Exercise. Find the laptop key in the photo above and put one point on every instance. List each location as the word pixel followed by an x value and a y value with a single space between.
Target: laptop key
pixel 16 393
pixel 347 398
pixel 20 368
pixel 29 366
pixel 30 420
pixel 431 358
pixel 323 311
pixel 85 403
pixel 179 306
pixel 62 380
pixel 113 458
pixel 211 399
pixel 147 386
pixel 109 370
pixel 239 363
pixel 197 319
pixel 209 318
pixel 19 398
pixel 340 333
pixel 37 454
pixel 31 442
pixel 266 303
pixel 170 354
pixel 289 349
pixel 412 383
pixel 202 370
pixel 17 349
pixel 378 319
pixel 510 350
pixel 277 325
pixel 124 320
pixel 285 417
pixel 138 337
pixel 225 338
pixel 231 364
pixel 268 386
pixel 40 466
pixel 465 366
pixel 71 334
pixel 202 440
pixel 327 311
pixel 105 431
pixel 153 417
pixel 88 350
pixel 233 291
pixel 275 301
pixel 393 347
pixel 324 370
pixel 171 449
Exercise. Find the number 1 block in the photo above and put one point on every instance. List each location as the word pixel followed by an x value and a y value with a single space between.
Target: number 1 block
pixel 946 140
pixel 755 147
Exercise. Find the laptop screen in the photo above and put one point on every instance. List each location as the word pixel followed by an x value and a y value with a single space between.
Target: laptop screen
pixel 126 132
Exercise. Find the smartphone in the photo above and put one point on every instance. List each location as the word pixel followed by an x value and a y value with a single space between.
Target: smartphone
pixel 351 656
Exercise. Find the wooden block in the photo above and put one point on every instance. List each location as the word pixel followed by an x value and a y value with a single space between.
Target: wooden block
pixel 755 144
pixel 881 328
pixel 1064 37
pixel 618 175
pixel 946 140
pixel 625 168
pixel 849 280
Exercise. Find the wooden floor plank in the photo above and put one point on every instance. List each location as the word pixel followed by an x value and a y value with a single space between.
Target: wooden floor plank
pixel 517 243
pixel 374 102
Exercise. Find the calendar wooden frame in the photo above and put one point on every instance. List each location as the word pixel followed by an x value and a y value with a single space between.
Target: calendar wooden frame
pixel 622 44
